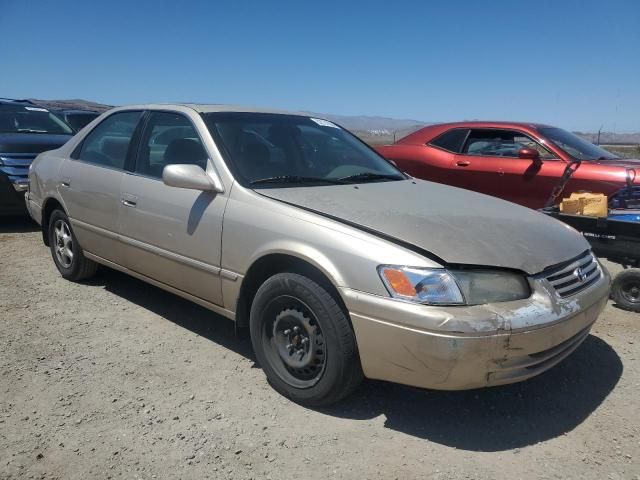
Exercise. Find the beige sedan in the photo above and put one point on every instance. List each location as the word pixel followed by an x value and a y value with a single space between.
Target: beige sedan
pixel 340 265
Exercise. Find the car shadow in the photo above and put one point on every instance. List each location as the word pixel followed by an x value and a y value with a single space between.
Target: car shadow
pixel 491 419
pixel 498 418
pixel 182 312
pixel 18 224
pixel 624 309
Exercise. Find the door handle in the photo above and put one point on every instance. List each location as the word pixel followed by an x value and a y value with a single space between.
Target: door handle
pixel 65 183
pixel 129 203
pixel 463 163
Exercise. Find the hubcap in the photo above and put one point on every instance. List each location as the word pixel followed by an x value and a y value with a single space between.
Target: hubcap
pixel 63 243
pixel 631 291
pixel 294 342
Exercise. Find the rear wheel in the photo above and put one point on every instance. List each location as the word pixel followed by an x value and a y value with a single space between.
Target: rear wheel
pixel 65 250
pixel 625 289
pixel 304 341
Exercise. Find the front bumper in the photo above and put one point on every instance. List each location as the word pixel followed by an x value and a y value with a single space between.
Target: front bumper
pixel 11 197
pixel 457 348
pixel 34 209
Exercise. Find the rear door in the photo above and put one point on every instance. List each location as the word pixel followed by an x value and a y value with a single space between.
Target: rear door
pixel 172 235
pixel 91 179
pixel 489 163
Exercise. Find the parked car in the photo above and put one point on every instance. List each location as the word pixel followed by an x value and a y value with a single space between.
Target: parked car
pixel 338 263
pixel 519 162
pixel 25 131
pixel 77 119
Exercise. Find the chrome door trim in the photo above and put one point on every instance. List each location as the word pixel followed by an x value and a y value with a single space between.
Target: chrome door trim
pixel 170 255
pixel 94 229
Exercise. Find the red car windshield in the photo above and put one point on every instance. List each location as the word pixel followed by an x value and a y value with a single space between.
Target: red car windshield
pixel 575 146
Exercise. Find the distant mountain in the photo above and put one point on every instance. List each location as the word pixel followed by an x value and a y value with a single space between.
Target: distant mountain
pixel 369 123
pixel 610 138
pixel 371 128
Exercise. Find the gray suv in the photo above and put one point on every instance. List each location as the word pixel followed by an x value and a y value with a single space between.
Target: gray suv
pixel 340 265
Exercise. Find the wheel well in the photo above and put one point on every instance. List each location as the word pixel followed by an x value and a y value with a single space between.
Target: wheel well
pixel 49 206
pixel 268 266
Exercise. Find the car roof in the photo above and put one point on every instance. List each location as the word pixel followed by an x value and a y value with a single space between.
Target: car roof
pixel 492 124
pixel 11 101
pixel 211 108
pixel 76 111
pixel 429 132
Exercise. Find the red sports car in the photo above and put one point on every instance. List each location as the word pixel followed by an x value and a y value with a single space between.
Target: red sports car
pixel 519 162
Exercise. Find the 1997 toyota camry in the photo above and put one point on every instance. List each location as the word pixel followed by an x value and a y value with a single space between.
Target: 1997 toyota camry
pixel 340 265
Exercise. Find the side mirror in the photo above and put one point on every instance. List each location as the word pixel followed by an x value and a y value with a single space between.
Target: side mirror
pixel 190 176
pixel 529 154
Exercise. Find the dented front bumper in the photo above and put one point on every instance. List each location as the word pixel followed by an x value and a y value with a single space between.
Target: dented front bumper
pixel 457 348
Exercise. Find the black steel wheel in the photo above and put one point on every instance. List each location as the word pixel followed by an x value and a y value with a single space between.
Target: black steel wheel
pixel 303 340
pixel 625 289
pixel 293 341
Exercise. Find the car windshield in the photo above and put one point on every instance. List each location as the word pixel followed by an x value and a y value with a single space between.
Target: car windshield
pixel 264 149
pixel 575 146
pixel 17 118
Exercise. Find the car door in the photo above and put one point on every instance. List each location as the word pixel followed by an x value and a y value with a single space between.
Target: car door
pixel 90 183
pixel 490 163
pixel 172 235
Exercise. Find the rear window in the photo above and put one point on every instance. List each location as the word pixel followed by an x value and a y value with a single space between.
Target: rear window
pixel 451 140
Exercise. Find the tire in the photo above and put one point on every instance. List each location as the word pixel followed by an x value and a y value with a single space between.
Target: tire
pixel 321 370
pixel 66 251
pixel 625 289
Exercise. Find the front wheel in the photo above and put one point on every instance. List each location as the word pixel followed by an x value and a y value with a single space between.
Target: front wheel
pixel 303 340
pixel 625 289
pixel 65 250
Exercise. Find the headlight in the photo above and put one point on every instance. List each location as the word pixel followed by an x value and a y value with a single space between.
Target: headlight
pixel 488 286
pixel 436 286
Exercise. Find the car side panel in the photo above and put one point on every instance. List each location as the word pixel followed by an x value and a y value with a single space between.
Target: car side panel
pixel 598 178
pixel 91 195
pixel 256 226
pixel 421 161
pixel 173 235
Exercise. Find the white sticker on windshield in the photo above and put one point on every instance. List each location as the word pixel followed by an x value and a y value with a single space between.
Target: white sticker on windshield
pixel 324 123
pixel 36 109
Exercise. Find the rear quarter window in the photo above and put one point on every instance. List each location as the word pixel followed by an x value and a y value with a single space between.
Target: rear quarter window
pixel 451 140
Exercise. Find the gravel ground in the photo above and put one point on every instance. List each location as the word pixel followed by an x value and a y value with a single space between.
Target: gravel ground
pixel 117 379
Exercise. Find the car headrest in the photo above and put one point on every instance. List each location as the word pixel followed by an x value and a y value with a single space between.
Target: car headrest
pixel 115 147
pixel 185 150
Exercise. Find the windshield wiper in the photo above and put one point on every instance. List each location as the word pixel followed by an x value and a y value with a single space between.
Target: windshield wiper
pixel 31 130
pixel 295 179
pixel 367 176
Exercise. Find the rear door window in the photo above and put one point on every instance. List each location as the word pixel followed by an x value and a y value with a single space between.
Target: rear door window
pixel 108 143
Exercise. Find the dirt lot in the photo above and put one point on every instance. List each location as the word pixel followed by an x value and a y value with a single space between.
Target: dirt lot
pixel 117 379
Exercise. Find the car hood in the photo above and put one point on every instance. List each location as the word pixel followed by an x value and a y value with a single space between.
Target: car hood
pixel 30 142
pixel 456 225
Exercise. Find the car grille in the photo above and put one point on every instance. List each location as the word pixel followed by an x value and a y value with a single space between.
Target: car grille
pixel 16 166
pixel 575 275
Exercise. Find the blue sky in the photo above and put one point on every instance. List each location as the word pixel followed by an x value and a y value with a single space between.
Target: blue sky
pixel 575 64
